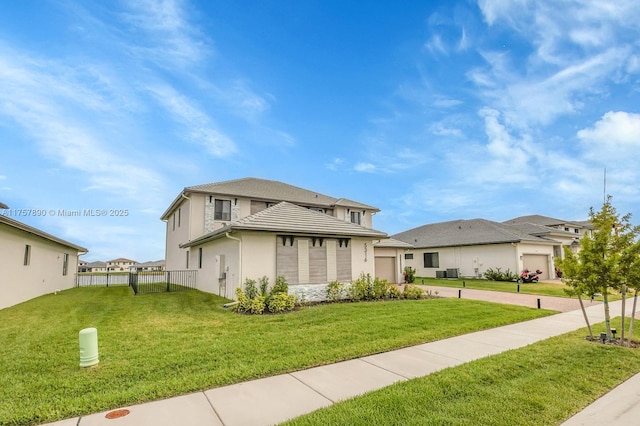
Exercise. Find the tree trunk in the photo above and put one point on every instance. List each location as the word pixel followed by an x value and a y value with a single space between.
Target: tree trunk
pixel 633 315
pixel 624 297
pixel 586 318
pixel 607 315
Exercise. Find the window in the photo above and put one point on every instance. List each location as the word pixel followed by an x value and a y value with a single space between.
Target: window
pixel 566 229
pixel 27 254
pixel 355 217
pixel 200 257
pixel 408 256
pixel 431 260
pixel 577 231
pixel 65 263
pixel 174 221
pixel 179 216
pixel 222 210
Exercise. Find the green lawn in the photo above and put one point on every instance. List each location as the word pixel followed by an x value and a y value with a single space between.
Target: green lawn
pixel 541 384
pixel 161 345
pixel 540 288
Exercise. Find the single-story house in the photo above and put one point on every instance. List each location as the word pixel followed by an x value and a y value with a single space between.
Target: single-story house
pixel 467 248
pixel 33 262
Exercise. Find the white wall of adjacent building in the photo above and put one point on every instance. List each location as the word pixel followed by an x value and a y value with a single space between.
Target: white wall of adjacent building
pixel 43 272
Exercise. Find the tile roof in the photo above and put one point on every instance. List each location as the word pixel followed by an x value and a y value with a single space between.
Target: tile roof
pixel 464 233
pixel 289 218
pixel 34 231
pixel 537 219
pixel 392 243
pixel 269 190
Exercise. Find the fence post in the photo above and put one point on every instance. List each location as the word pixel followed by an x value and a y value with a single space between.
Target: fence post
pixel 168 281
pixel 107 280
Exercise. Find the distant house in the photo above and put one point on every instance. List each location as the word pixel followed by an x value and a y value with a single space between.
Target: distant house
pixel 120 265
pixel 96 266
pixel 158 265
pixel 33 262
pixel 248 228
pixel 467 248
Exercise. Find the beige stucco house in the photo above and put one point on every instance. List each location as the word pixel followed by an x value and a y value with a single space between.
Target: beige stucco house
pixel 248 228
pixel 33 263
pixel 467 248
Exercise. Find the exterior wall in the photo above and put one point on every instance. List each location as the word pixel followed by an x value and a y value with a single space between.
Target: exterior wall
pixel 176 258
pixel 214 253
pixel 472 261
pixel 258 256
pixel 362 257
pixel 344 213
pixel 19 282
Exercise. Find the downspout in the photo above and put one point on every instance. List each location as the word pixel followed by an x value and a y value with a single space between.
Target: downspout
pixel 190 217
pixel 226 234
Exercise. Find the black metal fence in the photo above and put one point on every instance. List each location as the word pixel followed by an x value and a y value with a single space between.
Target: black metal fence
pixel 142 282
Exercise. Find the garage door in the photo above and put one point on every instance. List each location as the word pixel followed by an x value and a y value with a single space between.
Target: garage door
pixel 533 262
pixel 386 268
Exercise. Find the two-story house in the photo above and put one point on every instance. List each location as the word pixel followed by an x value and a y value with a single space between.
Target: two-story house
pixel 248 228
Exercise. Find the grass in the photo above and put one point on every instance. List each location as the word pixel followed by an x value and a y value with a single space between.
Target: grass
pixel 540 288
pixel 161 345
pixel 541 384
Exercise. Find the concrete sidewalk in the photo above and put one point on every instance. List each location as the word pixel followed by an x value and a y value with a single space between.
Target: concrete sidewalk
pixel 275 399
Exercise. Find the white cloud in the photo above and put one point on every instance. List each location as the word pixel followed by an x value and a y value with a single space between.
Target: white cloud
pixel 197 124
pixel 335 164
pixel 615 137
pixel 365 167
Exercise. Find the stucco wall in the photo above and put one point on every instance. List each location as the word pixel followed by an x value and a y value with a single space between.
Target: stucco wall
pixel 19 282
pixel 524 249
pixel 362 257
pixel 398 255
pixel 175 235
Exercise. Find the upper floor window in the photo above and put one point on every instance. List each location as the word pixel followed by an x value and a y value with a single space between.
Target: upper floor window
pixel 222 210
pixel 355 217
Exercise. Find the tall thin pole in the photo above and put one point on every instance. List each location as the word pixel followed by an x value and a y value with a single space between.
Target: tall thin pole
pixel 604 192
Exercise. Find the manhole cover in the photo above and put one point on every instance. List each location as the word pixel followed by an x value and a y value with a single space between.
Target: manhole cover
pixel 117 414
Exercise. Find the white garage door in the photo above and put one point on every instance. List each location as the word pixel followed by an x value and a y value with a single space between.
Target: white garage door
pixel 386 268
pixel 533 262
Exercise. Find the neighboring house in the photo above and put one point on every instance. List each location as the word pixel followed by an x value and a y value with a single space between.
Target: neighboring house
pixel 96 266
pixel 249 228
pixel 120 265
pixel 158 265
pixel 467 248
pixel 33 263
pixel 568 233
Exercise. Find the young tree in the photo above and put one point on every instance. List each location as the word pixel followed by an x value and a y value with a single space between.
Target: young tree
pixel 605 260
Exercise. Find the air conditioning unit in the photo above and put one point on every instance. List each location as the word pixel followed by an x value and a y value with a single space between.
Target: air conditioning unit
pixel 452 273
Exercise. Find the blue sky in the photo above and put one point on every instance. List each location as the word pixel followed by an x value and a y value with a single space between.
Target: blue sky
pixel 428 110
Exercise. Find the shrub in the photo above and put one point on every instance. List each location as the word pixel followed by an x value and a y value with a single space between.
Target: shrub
pixel 255 301
pixel 336 291
pixel 258 305
pixel 394 292
pixel 412 292
pixel 368 288
pixel 280 286
pixel 498 275
pixel 409 274
pixel 263 283
pixel 244 302
pixel 250 288
pixel 281 302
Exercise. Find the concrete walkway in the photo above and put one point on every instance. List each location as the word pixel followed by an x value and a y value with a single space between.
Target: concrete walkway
pixel 275 399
